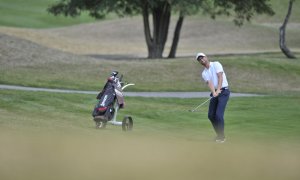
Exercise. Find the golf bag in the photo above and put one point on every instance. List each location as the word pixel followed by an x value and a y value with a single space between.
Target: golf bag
pixel 110 94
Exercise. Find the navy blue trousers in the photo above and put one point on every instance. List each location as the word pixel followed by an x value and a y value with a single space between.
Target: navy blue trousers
pixel 216 111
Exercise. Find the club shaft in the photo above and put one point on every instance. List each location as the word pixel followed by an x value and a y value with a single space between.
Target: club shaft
pixel 201 104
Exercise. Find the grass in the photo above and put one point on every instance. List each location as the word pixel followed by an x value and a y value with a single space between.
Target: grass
pixel 183 74
pixel 280 8
pixel 52 136
pixel 260 72
pixel 253 117
pixel 33 14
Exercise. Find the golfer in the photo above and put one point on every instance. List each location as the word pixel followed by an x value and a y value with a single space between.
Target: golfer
pixel 215 78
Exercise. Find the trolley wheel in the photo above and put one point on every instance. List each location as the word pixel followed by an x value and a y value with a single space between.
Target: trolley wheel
pixel 127 123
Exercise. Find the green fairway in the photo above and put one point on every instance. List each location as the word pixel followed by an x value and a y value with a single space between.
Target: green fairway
pixel 254 118
pixel 52 136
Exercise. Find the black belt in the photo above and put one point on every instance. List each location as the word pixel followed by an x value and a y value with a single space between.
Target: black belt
pixel 223 88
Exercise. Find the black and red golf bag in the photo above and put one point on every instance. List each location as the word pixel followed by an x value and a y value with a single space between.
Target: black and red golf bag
pixel 104 108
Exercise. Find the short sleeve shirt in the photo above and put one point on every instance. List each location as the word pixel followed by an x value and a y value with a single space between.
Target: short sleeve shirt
pixel 210 74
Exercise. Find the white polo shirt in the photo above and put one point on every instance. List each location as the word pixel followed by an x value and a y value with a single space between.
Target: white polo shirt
pixel 210 74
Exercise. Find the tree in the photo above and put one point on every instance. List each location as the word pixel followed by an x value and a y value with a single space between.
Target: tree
pixel 282 45
pixel 161 11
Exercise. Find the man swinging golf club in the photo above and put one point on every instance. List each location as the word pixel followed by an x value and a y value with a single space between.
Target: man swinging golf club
pixel 214 76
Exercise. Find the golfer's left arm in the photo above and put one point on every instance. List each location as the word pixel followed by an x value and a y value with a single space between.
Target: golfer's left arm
pixel 212 88
pixel 220 82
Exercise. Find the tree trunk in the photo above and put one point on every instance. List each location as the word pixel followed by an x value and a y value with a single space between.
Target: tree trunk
pixel 172 53
pixel 282 45
pixel 161 20
pixel 149 40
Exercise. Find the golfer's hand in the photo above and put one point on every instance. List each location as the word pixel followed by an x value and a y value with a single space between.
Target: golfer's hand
pixel 215 94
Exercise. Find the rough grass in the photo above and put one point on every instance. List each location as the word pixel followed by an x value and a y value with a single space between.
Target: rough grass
pixel 124 37
pixel 28 64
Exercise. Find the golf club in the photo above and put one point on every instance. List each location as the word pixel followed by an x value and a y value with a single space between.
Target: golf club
pixel 193 110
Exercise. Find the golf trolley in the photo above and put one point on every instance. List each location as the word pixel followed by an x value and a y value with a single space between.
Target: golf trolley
pixel 110 101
